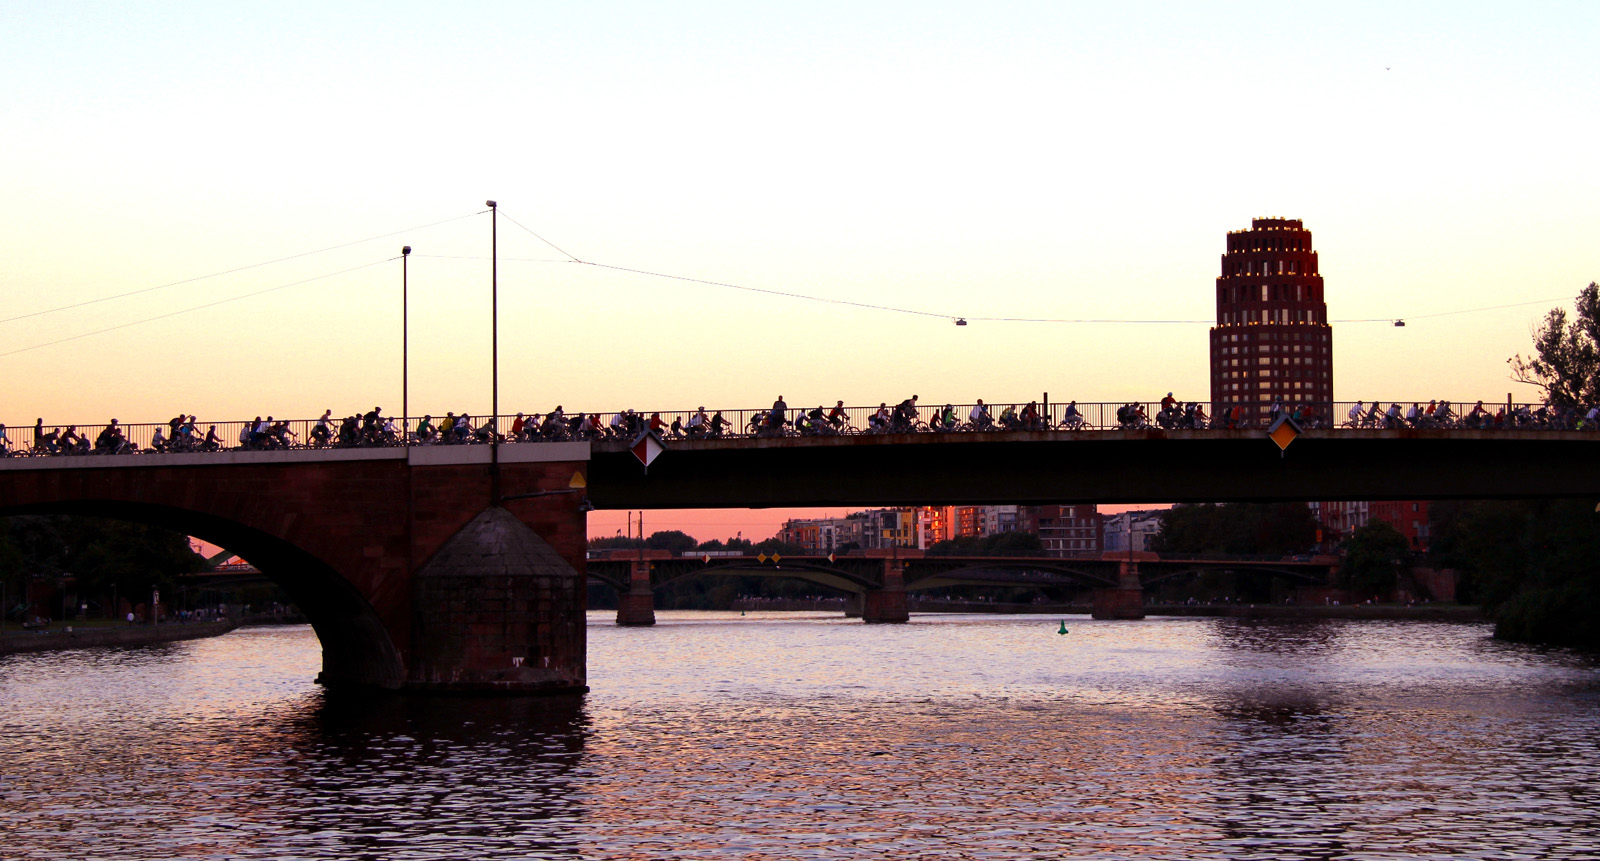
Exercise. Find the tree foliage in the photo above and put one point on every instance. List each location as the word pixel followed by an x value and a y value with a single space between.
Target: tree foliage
pixel 1566 359
pixel 1375 556
pixel 99 554
pixel 1209 529
pixel 771 546
pixel 744 544
pixel 672 540
pixel 1532 564
pixel 999 544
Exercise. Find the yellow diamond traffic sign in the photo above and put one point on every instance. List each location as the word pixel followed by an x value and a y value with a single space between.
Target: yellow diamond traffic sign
pixel 1283 432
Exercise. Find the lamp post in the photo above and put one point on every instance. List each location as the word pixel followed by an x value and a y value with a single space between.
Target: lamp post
pixel 494 353
pixel 405 348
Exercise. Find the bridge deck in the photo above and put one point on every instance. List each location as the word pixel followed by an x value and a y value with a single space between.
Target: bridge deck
pixel 1018 467
pixel 1139 466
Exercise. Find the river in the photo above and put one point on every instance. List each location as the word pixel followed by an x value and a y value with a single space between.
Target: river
pixel 786 736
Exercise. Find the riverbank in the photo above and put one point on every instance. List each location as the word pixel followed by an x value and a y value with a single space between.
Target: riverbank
pixel 1427 612
pixel 1424 612
pixel 59 637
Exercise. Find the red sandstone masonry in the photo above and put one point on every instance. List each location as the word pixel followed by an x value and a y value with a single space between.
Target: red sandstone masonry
pixel 372 523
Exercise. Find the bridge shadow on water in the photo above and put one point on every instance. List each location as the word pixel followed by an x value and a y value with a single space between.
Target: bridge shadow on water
pixel 369 768
pixel 553 721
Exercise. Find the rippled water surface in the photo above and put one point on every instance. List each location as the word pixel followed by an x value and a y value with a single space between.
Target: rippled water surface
pixel 789 736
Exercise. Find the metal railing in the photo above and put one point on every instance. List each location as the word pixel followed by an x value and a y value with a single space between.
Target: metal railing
pixel 680 425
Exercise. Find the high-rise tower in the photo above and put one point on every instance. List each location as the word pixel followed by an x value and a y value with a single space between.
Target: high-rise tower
pixel 1272 340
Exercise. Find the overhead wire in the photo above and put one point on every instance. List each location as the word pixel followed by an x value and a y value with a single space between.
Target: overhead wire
pixel 768 292
pixel 1460 311
pixel 198 307
pixel 487 257
pixel 537 236
pixel 233 271
pixel 924 313
pixel 571 258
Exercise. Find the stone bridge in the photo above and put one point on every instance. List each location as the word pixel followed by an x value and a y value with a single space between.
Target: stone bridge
pixel 410 575
pixel 463 567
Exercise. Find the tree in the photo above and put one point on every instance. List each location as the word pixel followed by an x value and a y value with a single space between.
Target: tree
pixel 1013 544
pixel 1375 554
pixel 671 539
pixel 731 544
pixel 1567 360
pixel 103 555
pixel 1208 529
pixel 999 544
pixel 1531 564
pixel 616 542
pixel 772 546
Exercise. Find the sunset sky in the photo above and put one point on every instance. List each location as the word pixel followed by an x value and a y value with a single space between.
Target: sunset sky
pixel 1053 160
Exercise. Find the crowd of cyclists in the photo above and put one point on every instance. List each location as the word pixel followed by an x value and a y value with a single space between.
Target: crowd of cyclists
pixel 1441 414
pixel 181 434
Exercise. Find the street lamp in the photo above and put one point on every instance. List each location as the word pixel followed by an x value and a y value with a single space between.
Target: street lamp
pixel 494 354
pixel 405 347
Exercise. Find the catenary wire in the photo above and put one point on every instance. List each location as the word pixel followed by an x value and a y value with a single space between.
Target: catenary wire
pixel 769 292
pixel 538 237
pixel 922 313
pixel 196 307
pixel 414 255
pixel 32 314
pixel 573 259
pixel 1460 311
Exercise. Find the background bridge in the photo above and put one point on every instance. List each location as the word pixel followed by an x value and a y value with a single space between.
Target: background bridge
pixel 876 581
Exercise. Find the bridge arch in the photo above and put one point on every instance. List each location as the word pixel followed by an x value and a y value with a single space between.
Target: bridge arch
pixel 1065 575
pixel 356 646
pixel 1304 575
pixel 841 579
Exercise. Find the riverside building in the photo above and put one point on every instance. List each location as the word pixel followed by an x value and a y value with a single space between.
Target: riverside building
pixel 1272 340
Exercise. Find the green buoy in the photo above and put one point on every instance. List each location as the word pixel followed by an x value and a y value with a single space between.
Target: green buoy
pixel 1063 627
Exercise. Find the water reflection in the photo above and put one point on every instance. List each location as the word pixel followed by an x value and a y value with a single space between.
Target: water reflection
pixel 1304 638
pixel 434 774
pixel 781 737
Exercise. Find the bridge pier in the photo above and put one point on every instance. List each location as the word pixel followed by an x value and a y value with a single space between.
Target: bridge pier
pixel 637 606
pixel 1126 599
pixel 497 608
pixel 887 603
pixel 853 605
